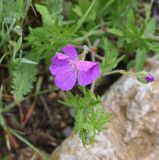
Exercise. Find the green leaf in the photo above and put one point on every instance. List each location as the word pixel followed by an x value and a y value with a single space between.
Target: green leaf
pixel 55 8
pixel 82 8
pixel 47 40
pixel 88 99
pixel 90 116
pixel 130 64
pixel 101 118
pixel 23 77
pixel 78 11
pixel 110 59
pixel 3 56
pixel 46 17
pixel 131 19
pixel 79 122
pixel 115 31
pixel 25 60
pixel 17 46
pixel 150 27
pixel 11 9
pixel 82 19
pixel 140 59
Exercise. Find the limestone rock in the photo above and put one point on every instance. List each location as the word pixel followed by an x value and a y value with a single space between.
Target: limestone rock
pixel 133 132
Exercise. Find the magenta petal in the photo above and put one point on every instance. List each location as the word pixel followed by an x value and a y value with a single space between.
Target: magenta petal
pixel 70 51
pixel 85 65
pixel 54 69
pixel 87 72
pixel 63 72
pixel 59 59
pixel 65 79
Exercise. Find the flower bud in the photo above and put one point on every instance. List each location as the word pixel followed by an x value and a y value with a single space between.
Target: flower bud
pixel 144 77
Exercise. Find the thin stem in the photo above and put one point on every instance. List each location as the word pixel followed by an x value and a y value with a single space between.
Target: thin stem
pixel 85 16
pixel 22 139
pixel 93 53
pixel 85 51
pixel 117 71
pixel 99 57
pixel 47 110
pixel 92 87
pixel 96 32
pixel 12 105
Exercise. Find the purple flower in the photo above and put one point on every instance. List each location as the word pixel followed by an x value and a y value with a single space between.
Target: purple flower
pixel 149 78
pixel 67 69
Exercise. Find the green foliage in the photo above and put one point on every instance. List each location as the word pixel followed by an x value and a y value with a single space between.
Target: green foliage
pixel 81 8
pixel 55 8
pixel 140 59
pixel 22 80
pixel 46 17
pixel 11 9
pixel 136 36
pixel 110 60
pixel 85 16
pixel 49 38
pixel 139 38
pixel 102 8
pixel 51 13
pixel 125 34
pixel 118 10
pixel 12 12
pixel 90 116
pixel 22 71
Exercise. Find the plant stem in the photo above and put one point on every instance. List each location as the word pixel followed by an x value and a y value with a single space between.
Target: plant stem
pixel 12 105
pixel 117 71
pixel 85 16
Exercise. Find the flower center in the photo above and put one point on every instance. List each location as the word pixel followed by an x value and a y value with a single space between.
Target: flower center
pixel 73 63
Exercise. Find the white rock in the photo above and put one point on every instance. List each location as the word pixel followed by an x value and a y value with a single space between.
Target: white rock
pixel 133 132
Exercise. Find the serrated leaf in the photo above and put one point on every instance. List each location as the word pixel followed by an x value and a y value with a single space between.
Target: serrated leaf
pixel 89 114
pixel 22 80
pixel 47 40
pixel 110 59
pixel 79 121
pixel 12 9
pixel 55 7
pixel 150 27
pixel 101 118
pixel 46 17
